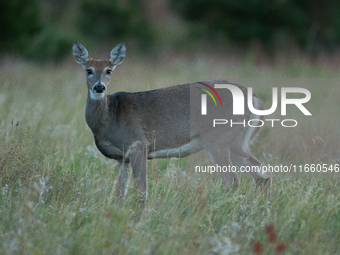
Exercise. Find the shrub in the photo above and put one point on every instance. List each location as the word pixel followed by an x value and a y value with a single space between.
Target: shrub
pixel 308 24
pixel 105 20
pixel 19 21
pixel 50 44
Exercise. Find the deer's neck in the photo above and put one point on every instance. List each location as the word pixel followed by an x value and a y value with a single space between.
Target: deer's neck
pixel 97 112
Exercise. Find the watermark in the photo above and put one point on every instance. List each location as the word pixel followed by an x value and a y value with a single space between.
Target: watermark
pixel 292 119
pixel 256 122
pixel 291 168
pixel 238 104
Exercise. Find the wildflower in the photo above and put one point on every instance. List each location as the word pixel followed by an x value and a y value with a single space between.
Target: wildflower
pixel 271 234
pixel 258 247
pixel 270 228
pixel 281 247
pixel 42 187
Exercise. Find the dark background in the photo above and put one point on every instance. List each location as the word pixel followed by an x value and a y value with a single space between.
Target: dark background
pixel 44 31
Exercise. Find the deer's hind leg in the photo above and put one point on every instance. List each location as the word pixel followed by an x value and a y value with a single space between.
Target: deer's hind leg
pixel 219 154
pixel 242 157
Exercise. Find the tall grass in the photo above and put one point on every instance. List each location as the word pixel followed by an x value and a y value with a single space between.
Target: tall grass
pixel 57 191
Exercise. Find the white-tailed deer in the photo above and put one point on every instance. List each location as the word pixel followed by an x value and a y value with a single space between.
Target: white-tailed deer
pixel 134 127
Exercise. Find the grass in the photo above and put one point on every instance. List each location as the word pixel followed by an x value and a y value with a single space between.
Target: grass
pixel 57 191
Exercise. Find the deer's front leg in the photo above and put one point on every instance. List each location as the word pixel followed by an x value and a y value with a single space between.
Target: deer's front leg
pixel 138 161
pixel 123 181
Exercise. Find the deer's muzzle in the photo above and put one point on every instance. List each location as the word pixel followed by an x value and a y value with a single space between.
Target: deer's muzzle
pixel 99 88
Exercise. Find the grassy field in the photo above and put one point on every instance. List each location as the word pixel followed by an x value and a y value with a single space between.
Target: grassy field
pixel 57 191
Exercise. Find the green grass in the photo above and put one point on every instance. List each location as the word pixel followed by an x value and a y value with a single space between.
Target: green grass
pixel 57 191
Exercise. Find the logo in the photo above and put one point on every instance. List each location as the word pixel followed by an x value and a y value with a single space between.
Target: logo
pixel 204 98
pixel 239 101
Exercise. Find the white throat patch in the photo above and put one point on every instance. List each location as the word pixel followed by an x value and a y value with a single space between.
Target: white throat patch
pixel 96 96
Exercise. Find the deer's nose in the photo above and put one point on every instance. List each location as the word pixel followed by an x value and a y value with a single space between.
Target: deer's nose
pixel 99 88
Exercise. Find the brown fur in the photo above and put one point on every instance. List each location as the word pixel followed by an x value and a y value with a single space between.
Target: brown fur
pixel 132 127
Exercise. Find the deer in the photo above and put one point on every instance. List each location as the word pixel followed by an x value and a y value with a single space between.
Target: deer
pixel 168 122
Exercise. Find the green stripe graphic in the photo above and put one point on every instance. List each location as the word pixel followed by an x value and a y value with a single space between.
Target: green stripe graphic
pixel 208 94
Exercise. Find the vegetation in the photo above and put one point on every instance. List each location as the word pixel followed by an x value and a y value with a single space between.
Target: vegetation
pixel 57 191
pixel 20 21
pixel 116 20
pixel 40 30
pixel 310 25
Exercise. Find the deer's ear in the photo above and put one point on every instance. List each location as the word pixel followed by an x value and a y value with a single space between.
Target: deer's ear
pixel 80 54
pixel 117 55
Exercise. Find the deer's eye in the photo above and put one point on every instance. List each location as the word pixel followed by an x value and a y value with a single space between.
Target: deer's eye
pixel 89 71
pixel 108 71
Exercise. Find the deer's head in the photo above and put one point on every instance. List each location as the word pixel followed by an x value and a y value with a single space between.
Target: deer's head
pixel 98 72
